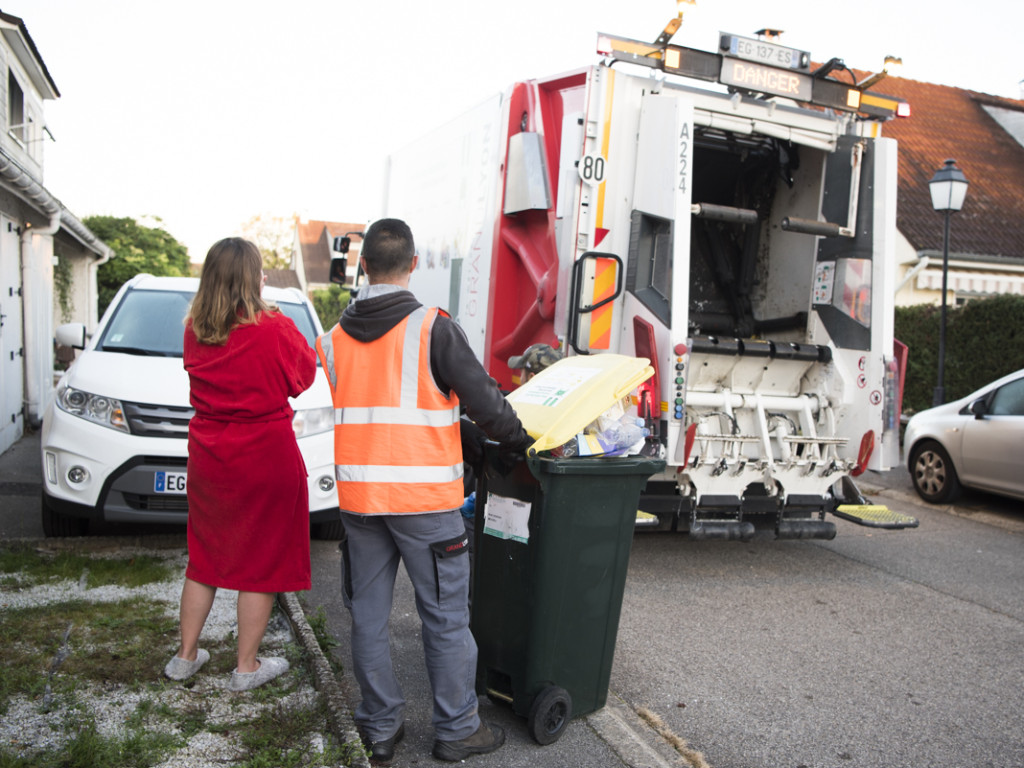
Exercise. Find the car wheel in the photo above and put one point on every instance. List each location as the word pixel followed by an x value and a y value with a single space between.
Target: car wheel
pixel 933 473
pixel 57 525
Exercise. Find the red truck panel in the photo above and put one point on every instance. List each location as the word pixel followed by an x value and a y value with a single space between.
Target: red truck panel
pixel 524 273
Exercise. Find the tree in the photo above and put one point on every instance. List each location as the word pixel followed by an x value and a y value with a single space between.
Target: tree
pixel 274 236
pixel 137 249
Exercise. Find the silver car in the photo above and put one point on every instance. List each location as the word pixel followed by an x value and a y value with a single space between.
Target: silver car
pixel 977 441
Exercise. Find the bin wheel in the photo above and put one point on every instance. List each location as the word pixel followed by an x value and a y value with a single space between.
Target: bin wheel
pixel 549 714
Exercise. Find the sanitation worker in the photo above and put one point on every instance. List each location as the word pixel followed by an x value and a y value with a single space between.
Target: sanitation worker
pixel 398 372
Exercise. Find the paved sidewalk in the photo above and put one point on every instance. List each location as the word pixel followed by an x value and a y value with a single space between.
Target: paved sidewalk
pixel 20 487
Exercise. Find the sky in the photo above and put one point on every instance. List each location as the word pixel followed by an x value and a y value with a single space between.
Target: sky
pixel 206 114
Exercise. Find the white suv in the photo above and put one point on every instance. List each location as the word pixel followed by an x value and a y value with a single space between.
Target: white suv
pixel 114 436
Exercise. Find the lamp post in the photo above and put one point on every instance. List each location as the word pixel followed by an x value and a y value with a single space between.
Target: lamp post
pixel 948 187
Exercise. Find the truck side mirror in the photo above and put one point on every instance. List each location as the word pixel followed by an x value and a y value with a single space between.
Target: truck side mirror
pixel 339 266
pixel 341 244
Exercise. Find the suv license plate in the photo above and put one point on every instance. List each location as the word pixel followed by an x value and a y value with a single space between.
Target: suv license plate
pixel 169 482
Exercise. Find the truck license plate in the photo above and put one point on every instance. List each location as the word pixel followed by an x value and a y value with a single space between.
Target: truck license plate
pixel 169 482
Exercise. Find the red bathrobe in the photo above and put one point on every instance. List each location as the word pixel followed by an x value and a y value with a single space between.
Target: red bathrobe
pixel 248 503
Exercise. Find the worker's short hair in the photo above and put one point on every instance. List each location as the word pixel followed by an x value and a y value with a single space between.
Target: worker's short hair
pixel 388 248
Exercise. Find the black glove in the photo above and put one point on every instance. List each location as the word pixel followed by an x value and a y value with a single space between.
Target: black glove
pixel 505 457
pixel 473 439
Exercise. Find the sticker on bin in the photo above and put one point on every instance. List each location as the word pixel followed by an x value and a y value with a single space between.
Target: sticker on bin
pixel 560 384
pixel 565 397
pixel 507 518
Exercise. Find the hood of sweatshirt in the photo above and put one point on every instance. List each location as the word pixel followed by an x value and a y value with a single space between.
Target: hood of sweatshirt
pixel 369 319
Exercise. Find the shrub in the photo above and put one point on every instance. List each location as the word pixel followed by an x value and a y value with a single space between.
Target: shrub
pixel 329 303
pixel 984 341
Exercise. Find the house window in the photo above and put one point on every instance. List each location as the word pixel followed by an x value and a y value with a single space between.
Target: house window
pixel 15 108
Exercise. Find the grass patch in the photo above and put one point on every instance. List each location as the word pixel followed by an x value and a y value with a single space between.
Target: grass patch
pixel 281 737
pixel 120 643
pixel 25 566
pixel 88 748
pixel 324 638
pixel 61 657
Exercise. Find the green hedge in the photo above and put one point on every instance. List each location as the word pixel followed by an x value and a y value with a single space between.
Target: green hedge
pixel 984 341
pixel 329 303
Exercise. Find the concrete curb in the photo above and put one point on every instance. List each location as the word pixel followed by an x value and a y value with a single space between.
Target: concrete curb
pixel 338 710
pixel 629 737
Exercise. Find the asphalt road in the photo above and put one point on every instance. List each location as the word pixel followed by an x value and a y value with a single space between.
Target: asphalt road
pixel 878 648
pixel 875 649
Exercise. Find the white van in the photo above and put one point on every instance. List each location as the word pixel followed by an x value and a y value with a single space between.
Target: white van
pixel 114 437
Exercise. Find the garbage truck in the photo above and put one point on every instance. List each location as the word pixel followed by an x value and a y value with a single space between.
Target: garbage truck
pixel 728 215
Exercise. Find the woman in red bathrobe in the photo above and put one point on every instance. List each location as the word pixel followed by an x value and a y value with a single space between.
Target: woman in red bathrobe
pixel 248 521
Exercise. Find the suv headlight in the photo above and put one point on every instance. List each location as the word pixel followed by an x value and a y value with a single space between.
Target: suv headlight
pixel 313 421
pixel 105 411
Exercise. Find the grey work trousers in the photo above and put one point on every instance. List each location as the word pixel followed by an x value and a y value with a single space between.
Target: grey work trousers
pixel 371 550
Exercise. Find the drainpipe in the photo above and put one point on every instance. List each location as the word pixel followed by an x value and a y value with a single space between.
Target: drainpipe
pixel 37 317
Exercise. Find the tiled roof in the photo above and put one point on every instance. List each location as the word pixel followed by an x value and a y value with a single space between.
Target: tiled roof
pixel 315 239
pixel 282 278
pixel 947 122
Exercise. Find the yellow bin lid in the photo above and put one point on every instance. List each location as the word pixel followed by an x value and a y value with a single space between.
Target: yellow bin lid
pixel 565 397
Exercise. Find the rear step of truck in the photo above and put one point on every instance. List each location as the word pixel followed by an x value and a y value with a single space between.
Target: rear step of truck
pixel 875 516
pixel 859 510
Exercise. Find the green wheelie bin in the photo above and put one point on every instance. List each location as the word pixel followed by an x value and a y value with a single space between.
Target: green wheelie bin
pixel 552 539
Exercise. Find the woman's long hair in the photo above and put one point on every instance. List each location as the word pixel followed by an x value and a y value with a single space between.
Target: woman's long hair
pixel 229 290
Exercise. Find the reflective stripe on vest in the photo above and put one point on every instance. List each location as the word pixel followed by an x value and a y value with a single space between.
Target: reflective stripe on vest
pixel 396 438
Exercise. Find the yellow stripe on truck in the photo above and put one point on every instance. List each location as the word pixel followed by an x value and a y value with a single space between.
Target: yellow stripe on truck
pixel 605 140
pixel 601 318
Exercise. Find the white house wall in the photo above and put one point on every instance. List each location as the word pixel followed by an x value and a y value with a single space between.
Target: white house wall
pixel 28 152
pixel 31 218
pixel 908 293
pixel 84 290
pixel 37 303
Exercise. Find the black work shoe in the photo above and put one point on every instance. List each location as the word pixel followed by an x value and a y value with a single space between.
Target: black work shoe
pixel 382 751
pixel 486 739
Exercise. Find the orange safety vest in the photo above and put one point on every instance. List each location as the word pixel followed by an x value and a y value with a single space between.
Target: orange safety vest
pixel 397 446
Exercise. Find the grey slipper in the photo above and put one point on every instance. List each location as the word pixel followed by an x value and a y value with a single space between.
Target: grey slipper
pixel 270 667
pixel 182 669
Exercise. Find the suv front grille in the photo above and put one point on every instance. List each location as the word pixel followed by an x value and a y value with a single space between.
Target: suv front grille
pixel 156 502
pixel 157 420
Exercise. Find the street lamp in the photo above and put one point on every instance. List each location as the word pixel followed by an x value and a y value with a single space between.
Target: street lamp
pixel 948 187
